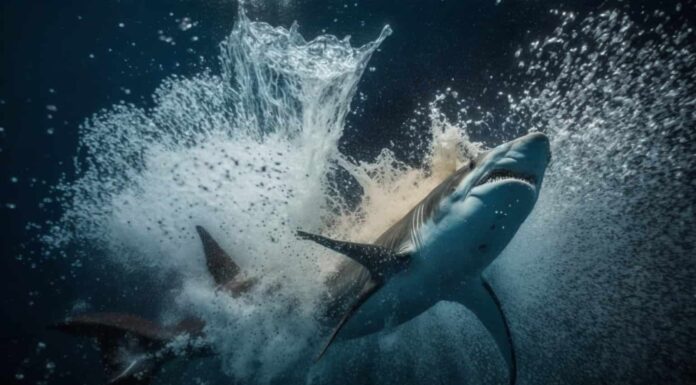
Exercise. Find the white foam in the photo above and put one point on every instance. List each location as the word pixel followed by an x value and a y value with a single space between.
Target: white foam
pixel 246 154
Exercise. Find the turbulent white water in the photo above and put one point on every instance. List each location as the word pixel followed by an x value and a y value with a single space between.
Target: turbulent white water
pixel 605 262
pixel 244 153
pixel 247 153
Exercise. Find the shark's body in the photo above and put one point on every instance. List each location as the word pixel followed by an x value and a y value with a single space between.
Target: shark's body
pixel 439 250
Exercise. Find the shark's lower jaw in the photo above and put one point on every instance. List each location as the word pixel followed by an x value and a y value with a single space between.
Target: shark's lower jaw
pixel 502 175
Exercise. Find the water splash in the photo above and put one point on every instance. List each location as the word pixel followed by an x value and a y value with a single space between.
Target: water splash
pixel 604 258
pixel 391 187
pixel 246 154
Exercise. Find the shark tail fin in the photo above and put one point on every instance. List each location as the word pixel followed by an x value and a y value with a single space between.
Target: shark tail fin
pixel 130 346
pixel 220 265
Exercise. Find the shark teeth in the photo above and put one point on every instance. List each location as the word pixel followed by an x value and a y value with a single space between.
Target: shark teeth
pixel 499 175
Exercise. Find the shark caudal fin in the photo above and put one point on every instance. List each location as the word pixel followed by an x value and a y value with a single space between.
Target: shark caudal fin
pixel 132 348
pixel 220 265
pixel 226 274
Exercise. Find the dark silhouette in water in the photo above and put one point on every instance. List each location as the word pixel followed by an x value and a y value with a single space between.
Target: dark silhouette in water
pixel 134 349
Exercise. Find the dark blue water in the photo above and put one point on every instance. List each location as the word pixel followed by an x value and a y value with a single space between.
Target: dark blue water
pixel 63 61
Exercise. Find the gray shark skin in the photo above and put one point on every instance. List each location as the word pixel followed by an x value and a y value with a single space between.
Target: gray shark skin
pixel 440 249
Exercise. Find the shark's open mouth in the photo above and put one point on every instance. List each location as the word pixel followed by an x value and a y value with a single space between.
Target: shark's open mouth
pixel 499 175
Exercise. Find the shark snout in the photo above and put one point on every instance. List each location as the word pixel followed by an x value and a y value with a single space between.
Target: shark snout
pixel 534 145
pixel 530 153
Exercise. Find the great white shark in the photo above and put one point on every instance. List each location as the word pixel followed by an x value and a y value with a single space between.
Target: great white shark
pixel 438 251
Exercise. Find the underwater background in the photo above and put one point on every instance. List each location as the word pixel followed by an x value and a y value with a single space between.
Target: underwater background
pixel 124 124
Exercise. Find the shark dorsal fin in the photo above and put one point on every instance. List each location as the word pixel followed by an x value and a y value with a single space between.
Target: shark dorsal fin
pixel 378 260
pixel 220 265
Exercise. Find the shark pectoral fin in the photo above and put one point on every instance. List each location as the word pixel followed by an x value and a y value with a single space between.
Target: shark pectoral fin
pixel 483 302
pixel 220 265
pixel 370 288
pixel 378 260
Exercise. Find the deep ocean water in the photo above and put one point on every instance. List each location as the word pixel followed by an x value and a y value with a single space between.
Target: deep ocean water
pixel 123 125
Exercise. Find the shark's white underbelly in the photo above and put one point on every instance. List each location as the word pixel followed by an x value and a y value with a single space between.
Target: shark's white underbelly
pixel 414 290
pixel 450 255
